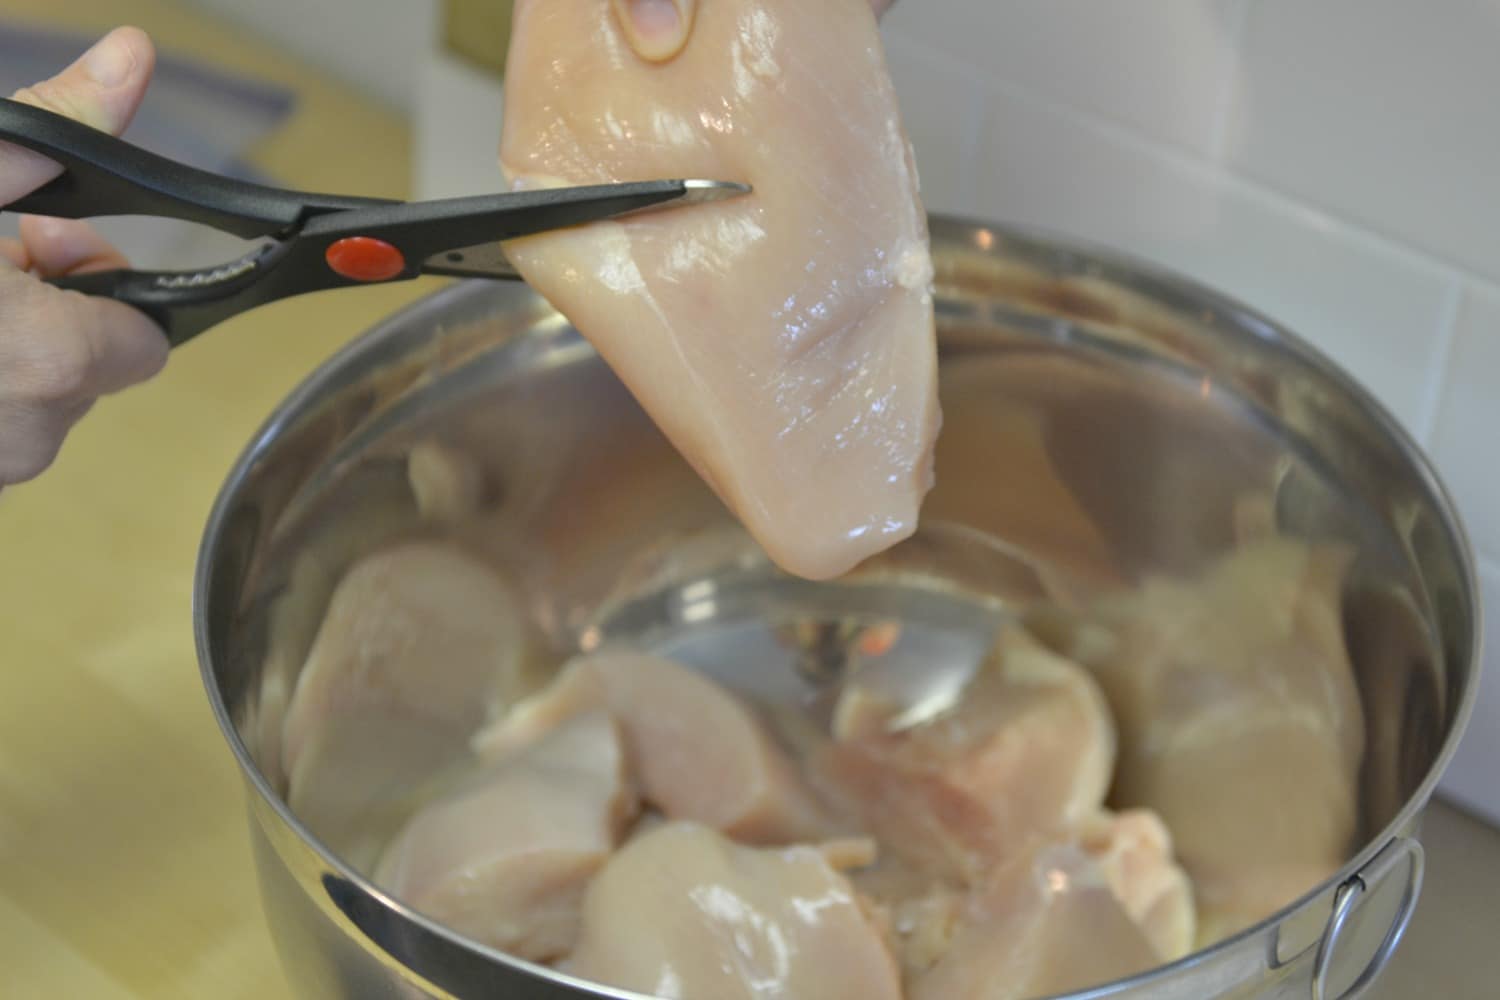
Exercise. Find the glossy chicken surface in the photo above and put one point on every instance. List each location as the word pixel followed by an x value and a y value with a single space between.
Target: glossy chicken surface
pixel 1135 854
pixel 419 645
pixel 1028 751
pixel 784 340
pixel 1241 723
pixel 699 753
pixel 728 921
pixel 506 857
pixel 1048 922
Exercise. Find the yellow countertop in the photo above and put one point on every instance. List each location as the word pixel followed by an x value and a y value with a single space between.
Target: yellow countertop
pixel 124 866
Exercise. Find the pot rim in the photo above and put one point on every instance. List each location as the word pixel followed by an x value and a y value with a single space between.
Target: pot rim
pixel 1120 268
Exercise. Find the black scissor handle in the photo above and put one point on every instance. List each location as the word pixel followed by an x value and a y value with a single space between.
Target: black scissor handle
pixel 106 176
pixel 186 303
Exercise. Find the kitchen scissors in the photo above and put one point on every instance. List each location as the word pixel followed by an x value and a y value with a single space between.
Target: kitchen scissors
pixel 316 242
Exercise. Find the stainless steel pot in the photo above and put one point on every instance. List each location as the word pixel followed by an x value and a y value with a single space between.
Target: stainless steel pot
pixel 1162 404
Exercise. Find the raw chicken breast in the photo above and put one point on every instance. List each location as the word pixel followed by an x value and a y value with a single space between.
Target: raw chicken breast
pixel 1240 722
pixel 784 340
pixel 1028 750
pixel 1049 923
pixel 841 853
pixel 327 543
pixel 729 922
pixel 419 644
pixel 923 915
pixel 1134 851
pixel 506 858
pixel 699 753
pixel 1129 854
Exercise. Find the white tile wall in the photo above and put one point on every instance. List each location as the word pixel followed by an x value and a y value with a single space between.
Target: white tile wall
pixel 1382 110
pixel 1463 440
pixel 1335 164
pixel 456 134
pixel 1353 297
pixel 1163 68
pixel 941 103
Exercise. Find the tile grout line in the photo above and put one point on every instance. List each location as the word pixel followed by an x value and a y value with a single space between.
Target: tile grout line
pixel 968 163
pixel 1429 262
pixel 1442 358
pixel 1218 137
pixel 1267 195
pixel 968 155
pixel 1409 253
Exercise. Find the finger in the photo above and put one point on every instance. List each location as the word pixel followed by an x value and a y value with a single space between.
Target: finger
pixel 102 89
pixel 77 411
pixel 122 346
pixel 62 246
pixel 13 254
pixel 656 29
pixel 59 347
pixel 30 437
pixel 126 345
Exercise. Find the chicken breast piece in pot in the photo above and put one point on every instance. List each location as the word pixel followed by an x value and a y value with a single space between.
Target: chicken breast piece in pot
pixel 505 858
pixel 1048 922
pixel 419 646
pixel 700 753
pixel 729 922
pixel 1027 751
pixel 1241 724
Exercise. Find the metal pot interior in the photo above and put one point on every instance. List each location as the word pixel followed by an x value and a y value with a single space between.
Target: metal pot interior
pixel 1105 425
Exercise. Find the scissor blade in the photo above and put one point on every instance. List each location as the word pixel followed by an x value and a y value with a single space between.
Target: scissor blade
pixel 486 260
pixel 695 192
pixel 581 206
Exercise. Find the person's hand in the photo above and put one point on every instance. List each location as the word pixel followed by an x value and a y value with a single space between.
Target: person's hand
pixel 60 351
pixel 658 29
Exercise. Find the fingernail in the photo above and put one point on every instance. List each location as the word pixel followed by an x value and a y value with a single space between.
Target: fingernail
pixel 656 29
pixel 47 229
pixel 109 62
pixel 655 18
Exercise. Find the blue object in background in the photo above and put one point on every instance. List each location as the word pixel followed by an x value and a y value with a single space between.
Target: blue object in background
pixel 193 113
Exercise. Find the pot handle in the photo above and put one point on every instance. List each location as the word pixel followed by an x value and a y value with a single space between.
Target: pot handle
pixel 1347 899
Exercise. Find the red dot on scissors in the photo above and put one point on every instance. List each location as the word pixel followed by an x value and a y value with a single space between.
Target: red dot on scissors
pixel 364 258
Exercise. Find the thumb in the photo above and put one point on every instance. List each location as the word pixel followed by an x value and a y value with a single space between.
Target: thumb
pixel 656 29
pixel 102 89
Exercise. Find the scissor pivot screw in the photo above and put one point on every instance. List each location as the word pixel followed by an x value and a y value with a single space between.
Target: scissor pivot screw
pixel 364 258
